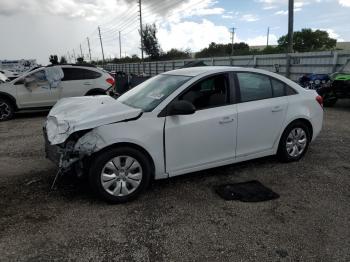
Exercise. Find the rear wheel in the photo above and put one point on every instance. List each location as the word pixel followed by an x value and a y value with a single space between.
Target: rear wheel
pixel 294 142
pixel 6 109
pixel 119 174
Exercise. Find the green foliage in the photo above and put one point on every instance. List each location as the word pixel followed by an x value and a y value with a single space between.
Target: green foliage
pixel 63 60
pixel 150 42
pixel 176 54
pixel 80 60
pixel 53 59
pixel 223 50
pixel 308 40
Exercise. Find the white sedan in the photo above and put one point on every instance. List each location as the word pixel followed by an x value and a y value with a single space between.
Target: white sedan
pixel 179 122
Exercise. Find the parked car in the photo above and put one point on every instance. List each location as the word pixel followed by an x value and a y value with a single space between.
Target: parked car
pixel 3 78
pixel 178 122
pixel 9 74
pixel 339 88
pixel 33 90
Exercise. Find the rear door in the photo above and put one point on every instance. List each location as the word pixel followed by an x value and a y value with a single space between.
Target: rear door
pixel 261 112
pixel 77 81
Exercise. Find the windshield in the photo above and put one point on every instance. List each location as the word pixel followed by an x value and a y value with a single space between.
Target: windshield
pixel 152 92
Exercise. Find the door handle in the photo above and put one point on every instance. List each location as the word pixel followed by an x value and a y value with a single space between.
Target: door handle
pixel 277 109
pixel 87 84
pixel 226 119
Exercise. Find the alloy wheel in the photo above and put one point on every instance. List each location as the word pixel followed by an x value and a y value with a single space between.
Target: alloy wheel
pixel 296 142
pixel 5 111
pixel 121 176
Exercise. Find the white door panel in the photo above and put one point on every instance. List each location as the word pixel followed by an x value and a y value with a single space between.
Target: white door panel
pixel 75 88
pixel 259 124
pixel 37 93
pixel 204 137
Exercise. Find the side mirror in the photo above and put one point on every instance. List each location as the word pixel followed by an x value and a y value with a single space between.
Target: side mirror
pixel 181 107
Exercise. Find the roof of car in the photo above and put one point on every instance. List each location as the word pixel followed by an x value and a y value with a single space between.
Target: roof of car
pixel 195 71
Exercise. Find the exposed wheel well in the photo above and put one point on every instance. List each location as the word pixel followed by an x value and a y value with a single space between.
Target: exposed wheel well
pixel 96 91
pixel 9 98
pixel 132 145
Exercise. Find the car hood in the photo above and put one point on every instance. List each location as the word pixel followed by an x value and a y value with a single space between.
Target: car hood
pixel 73 114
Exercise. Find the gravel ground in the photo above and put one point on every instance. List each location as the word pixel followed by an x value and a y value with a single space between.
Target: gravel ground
pixel 179 219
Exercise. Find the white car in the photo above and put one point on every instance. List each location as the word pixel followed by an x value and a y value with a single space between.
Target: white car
pixel 179 122
pixel 3 78
pixel 32 90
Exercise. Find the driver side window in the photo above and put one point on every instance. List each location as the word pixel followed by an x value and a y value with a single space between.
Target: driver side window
pixel 210 92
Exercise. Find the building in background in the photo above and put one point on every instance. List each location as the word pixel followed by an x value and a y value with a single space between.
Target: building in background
pixel 18 66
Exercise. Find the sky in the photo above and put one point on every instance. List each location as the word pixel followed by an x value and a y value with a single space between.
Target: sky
pixel 34 29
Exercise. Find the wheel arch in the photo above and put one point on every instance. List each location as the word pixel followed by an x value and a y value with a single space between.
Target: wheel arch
pixel 10 98
pixel 132 145
pixel 95 91
pixel 306 121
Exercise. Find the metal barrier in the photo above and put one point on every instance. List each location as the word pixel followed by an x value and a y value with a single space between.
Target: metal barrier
pixel 325 62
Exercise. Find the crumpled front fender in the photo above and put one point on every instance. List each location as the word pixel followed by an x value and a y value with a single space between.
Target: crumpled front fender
pixel 89 144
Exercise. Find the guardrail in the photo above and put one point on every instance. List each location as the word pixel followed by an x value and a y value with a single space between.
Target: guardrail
pixel 325 62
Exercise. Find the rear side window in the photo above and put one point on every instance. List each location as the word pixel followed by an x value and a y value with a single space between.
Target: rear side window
pixel 79 74
pixel 281 89
pixel 278 88
pixel 254 87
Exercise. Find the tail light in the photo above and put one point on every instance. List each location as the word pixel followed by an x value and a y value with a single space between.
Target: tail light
pixel 319 100
pixel 110 81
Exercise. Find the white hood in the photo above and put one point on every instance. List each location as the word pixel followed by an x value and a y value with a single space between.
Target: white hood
pixel 79 113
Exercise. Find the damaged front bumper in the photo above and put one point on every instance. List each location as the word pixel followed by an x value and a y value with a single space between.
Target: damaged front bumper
pixel 72 151
pixel 62 156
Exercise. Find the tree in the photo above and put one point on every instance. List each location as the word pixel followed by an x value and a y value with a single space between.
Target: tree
pixel 63 60
pixel 223 50
pixel 308 40
pixel 80 60
pixel 176 54
pixel 53 59
pixel 150 42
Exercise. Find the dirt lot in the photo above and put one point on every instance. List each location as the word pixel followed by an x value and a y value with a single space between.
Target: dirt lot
pixel 179 219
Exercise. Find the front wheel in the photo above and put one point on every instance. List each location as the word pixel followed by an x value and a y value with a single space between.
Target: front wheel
pixel 6 110
pixel 119 174
pixel 294 142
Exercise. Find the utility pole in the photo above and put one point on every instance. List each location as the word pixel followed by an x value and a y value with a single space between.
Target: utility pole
pixel 75 58
pixel 290 25
pixel 81 52
pixel 290 35
pixel 120 46
pixel 233 39
pixel 88 41
pixel 267 37
pixel 68 57
pixel 103 54
pixel 141 33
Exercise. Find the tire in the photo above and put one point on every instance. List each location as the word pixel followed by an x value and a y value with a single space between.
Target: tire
pixel 293 138
pixel 121 184
pixel 6 110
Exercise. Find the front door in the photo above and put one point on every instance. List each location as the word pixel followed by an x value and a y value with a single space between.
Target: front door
pixel 206 138
pixel 36 92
